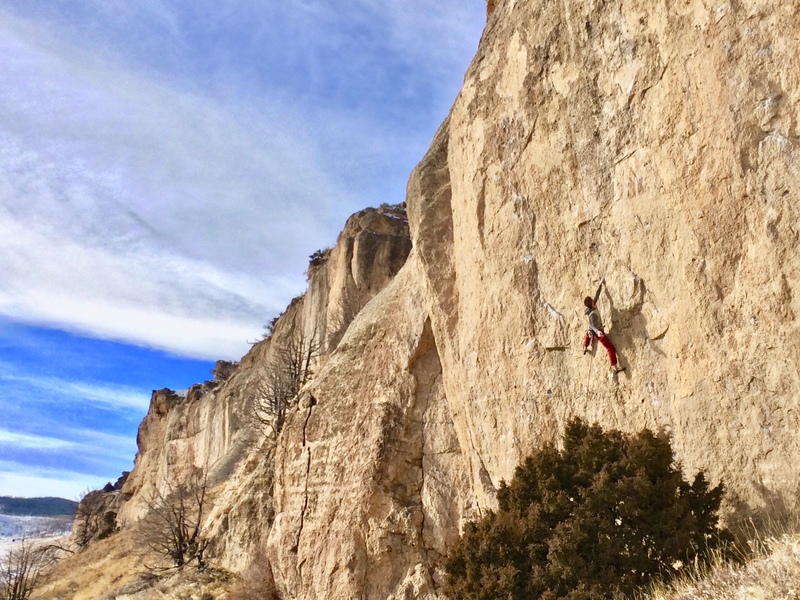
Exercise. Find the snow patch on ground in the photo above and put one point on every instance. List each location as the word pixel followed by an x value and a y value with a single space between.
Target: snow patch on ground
pixel 13 529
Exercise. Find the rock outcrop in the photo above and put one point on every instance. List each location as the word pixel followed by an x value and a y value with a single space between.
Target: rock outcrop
pixel 370 250
pixel 211 428
pixel 654 145
pixel 657 147
pixel 370 481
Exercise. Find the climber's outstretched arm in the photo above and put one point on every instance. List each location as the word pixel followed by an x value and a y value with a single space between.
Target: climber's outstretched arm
pixel 599 288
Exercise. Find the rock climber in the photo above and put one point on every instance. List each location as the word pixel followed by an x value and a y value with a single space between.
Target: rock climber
pixel 596 329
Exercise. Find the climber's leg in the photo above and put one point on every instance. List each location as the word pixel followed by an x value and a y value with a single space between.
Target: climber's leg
pixel 612 352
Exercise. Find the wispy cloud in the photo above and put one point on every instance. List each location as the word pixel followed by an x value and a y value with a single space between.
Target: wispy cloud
pixel 183 306
pixel 63 464
pixel 27 441
pixel 64 454
pixel 122 198
pixel 85 442
pixel 167 167
pixel 114 396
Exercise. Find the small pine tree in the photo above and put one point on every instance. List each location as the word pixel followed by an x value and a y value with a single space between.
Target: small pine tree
pixel 602 516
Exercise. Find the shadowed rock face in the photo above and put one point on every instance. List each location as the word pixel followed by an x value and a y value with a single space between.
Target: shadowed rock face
pixel 653 145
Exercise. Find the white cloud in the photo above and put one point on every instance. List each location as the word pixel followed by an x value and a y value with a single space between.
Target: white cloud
pixel 436 35
pixel 94 450
pixel 81 453
pixel 167 302
pixel 158 233
pixel 107 156
pixel 166 167
pixel 87 443
pixel 77 455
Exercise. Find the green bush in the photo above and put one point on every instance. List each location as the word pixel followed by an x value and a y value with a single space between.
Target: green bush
pixel 601 517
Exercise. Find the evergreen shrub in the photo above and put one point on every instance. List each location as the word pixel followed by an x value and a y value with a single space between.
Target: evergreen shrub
pixel 598 518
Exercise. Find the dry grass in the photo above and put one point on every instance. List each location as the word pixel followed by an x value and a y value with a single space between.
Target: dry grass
pixel 185 584
pixel 87 575
pixel 114 569
pixel 772 571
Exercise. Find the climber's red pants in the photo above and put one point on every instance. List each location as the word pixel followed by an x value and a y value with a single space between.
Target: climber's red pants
pixel 603 339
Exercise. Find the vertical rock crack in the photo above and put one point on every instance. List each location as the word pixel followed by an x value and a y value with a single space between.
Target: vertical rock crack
pixel 296 546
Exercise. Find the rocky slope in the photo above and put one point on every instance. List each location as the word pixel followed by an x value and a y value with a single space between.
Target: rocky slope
pixel 653 144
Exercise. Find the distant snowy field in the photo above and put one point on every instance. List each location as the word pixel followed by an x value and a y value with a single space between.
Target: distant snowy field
pixel 14 529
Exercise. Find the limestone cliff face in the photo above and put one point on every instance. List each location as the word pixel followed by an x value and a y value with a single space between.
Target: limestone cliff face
pixel 179 434
pixel 654 144
pixel 369 252
pixel 370 481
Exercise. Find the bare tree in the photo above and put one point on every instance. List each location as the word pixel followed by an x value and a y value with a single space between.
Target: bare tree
pixel 268 327
pixel 288 370
pixel 21 569
pixel 173 526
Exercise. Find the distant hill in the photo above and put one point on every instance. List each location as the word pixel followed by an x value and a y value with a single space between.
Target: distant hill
pixel 37 507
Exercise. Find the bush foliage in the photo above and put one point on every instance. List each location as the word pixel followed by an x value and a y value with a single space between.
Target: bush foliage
pixel 601 517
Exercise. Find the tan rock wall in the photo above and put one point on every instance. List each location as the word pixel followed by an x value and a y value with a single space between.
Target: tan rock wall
pixel 208 429
pixel 490 6
pixel 369 252
pixel 651 143
pixel 370 485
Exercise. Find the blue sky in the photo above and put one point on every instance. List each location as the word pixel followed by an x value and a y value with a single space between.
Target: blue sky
pixel 166 168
